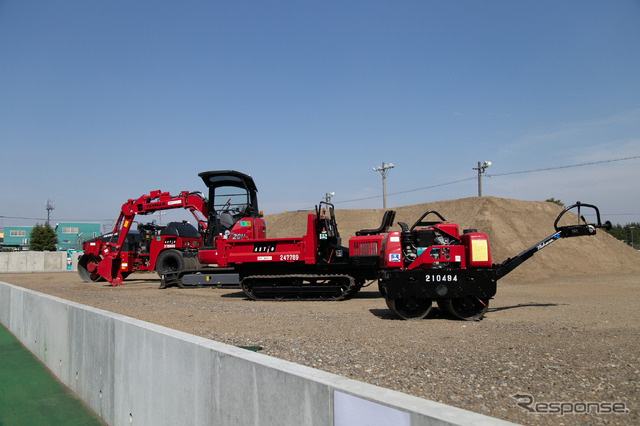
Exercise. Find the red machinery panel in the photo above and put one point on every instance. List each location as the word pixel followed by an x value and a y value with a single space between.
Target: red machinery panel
pixel 229 251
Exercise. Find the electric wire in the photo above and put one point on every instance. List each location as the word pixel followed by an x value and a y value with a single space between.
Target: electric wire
pixel 492 175
pixel 408 190
pixel 590 163
pixel 58 219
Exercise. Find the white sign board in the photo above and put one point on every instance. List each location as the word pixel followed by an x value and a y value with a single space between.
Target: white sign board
pixel 349 410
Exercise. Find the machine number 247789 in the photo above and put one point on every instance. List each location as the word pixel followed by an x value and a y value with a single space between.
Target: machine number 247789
pixel 441 278
pixel 289 257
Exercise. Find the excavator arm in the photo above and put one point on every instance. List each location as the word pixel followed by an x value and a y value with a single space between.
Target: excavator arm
pixel 195 202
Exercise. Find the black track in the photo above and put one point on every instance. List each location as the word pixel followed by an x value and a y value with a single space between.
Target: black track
pixel 300 287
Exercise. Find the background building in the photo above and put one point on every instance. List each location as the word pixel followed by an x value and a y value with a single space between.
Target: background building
pixel 70 235
pixel 16 237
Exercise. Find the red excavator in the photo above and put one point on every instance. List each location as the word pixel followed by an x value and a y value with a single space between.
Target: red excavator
pixel 114 256
pixel 230 212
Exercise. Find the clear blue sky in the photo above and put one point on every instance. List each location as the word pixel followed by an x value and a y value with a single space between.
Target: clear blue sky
pixel 101 101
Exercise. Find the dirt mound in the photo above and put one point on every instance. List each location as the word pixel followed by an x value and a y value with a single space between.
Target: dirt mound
pixel 511 225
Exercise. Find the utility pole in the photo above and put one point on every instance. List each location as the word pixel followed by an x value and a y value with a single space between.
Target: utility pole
pixel 481 169
pixel 632 228
pixel 328 196
pixel 383 172
pixel 49 206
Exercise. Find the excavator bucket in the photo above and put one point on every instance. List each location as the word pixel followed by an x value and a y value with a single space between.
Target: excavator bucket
pixel 109 268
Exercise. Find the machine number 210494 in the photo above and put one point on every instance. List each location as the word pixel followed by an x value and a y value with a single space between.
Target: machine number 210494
pixel 441 278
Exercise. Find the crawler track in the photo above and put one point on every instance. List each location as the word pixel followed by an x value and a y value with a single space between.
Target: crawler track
pixel 300 287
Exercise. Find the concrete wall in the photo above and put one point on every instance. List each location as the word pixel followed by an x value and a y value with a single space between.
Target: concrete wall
pixel 135 373
pixel 36 261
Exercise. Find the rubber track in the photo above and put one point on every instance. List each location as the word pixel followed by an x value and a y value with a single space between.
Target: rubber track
pixel 347 293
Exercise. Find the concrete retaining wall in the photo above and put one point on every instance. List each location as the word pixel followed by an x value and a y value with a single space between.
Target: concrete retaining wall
pixel 37 261
pixel 135 373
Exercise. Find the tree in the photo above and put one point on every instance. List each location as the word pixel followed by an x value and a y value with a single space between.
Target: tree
pixel 554 201
pixel 43 238
pixel 629 233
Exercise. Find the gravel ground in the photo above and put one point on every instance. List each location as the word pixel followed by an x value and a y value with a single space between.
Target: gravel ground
pixel 568 340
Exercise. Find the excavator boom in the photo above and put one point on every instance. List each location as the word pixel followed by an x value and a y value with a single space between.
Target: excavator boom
pixel 110 266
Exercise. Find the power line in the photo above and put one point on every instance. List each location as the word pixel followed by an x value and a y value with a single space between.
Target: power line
pixel 60 220
pixel 591 163
pixel 408 190
pixel 492 175
pixel 433 186
pixel 20 217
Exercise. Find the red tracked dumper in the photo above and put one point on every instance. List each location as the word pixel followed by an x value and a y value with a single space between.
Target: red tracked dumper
pixel 312 267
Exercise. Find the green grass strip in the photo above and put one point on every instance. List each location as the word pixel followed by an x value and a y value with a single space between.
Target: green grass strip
pixel 31 395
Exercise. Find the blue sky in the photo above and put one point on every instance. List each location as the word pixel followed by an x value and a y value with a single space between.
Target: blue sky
pixel 101 101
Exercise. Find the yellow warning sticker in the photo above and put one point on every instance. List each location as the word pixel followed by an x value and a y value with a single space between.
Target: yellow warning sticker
pixel 479 251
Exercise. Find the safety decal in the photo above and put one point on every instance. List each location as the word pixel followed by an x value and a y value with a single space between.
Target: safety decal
pixel 479 250
pixel 394 257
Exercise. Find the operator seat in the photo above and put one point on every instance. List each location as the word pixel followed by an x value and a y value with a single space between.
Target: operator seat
pixel 387 221
pixel 226 220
